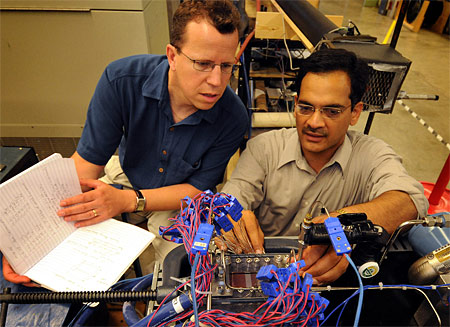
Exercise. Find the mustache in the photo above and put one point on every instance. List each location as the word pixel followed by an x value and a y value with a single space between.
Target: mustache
pixel 318 131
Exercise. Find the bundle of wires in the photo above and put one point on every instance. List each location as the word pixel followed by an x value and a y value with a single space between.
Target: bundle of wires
pixel 290 299
pixel 202 209
pixel 290 302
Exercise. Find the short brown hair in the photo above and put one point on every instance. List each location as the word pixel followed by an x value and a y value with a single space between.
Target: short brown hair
pixel 222 14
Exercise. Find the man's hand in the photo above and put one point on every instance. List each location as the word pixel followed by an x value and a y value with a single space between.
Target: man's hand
pixel 101 202
pixel 323 264
pixel 247 228
pixel 11 276
pixel 254 232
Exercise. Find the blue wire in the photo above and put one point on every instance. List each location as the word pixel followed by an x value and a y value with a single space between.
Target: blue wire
pixel 194 298
pixel 342 311
pixel 440 213
pixel 367 287
pixel 361 291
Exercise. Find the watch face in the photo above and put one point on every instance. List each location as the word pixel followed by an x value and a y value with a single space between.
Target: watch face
pixel 140 201
pixel 140 204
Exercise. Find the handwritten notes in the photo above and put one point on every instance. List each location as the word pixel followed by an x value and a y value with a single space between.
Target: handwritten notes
pixel 104 250
pixel 41 245
pixel 29 225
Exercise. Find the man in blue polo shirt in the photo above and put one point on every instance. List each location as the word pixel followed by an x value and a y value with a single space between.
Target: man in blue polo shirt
pixel 174 119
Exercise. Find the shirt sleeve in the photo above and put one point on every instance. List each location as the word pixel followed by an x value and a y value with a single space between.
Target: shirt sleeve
pixel 103 129
pixel 247 180
pixel 386 173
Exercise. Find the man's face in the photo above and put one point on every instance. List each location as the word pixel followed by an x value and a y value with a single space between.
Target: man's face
pixel 202 42
pixel 319 135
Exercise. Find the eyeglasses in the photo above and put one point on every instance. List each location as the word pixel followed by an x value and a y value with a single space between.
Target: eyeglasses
pixel 208 66
pixel 327 112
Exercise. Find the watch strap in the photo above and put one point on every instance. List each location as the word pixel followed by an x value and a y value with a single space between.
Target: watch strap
pixel 140 201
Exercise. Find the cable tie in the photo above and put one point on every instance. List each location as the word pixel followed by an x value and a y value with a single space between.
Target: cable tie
pixel 404 288
pixel 202 292
pixel 179 280
pixel 328 287
pixel 433 287
pixel 381 286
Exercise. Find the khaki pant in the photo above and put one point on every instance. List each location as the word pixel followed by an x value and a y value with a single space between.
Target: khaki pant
pixel 115 175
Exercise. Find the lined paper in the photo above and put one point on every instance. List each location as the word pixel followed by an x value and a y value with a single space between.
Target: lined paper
pixel 101 250
pixel 52 252
pixel 29 225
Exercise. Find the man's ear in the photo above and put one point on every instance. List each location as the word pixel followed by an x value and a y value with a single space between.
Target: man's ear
pixel 171 52
pixel 356 112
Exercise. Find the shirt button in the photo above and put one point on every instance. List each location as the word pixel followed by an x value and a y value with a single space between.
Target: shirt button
pixel 297 225
pixel 171 129
pixel 164 152
pixel 306 203
pixel 161 170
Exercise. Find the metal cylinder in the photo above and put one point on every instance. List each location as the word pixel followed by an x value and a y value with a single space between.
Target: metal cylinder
pixel 426 269
pixel 308 19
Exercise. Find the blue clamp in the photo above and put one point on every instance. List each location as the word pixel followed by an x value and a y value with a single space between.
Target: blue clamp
pixel 307 281
pixel 271 289
pixel 265 272
pixel 223 221
pixel 202 239
pixel 337 236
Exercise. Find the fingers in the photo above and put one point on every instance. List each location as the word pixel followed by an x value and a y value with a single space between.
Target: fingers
pixel 85 210
pixel 10 275
pixel 313 253
pixel 332 274
pixel 100 203
pixel 229 241
pixel 324 268
pixel 220 243
pixel 254 232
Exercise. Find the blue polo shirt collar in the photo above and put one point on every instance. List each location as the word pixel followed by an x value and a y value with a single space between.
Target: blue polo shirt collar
pixel 160 92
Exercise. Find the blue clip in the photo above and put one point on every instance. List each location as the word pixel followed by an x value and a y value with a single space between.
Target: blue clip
pixel 337 236
pixel 265 273
pixel 223 221
pixel 283 275
pixel 271 289
pixel 202 239
pixel 307 281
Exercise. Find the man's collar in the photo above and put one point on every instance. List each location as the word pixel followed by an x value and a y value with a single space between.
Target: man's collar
pixel 292 152
pixel 157 82
pixel 342 155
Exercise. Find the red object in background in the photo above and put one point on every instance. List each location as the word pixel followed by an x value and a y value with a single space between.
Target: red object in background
pixel 437 194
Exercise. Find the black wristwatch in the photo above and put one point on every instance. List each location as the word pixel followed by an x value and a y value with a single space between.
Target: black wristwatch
pixel 140 201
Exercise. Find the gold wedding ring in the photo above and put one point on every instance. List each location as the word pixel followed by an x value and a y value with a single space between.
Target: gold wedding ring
pixel 95 213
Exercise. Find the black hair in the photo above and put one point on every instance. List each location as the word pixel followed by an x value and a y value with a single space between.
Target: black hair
pixel 330 60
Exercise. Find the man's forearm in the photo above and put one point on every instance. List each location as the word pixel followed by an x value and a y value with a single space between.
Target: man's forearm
pixel 85 169
pixel 388 210
pixel 168 197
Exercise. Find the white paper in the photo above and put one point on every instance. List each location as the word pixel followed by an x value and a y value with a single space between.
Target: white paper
pixel 99 255
pixel 52 252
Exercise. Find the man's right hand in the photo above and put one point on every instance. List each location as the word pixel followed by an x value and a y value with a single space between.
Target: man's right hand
pixel 251 228
pixel 254 232
pixel 11 276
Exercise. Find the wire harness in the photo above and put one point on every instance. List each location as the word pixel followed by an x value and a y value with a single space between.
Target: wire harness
pixel 290 299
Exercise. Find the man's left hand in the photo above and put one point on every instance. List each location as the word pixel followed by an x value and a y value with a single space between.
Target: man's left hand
pixel 323 264
pixel 101 202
